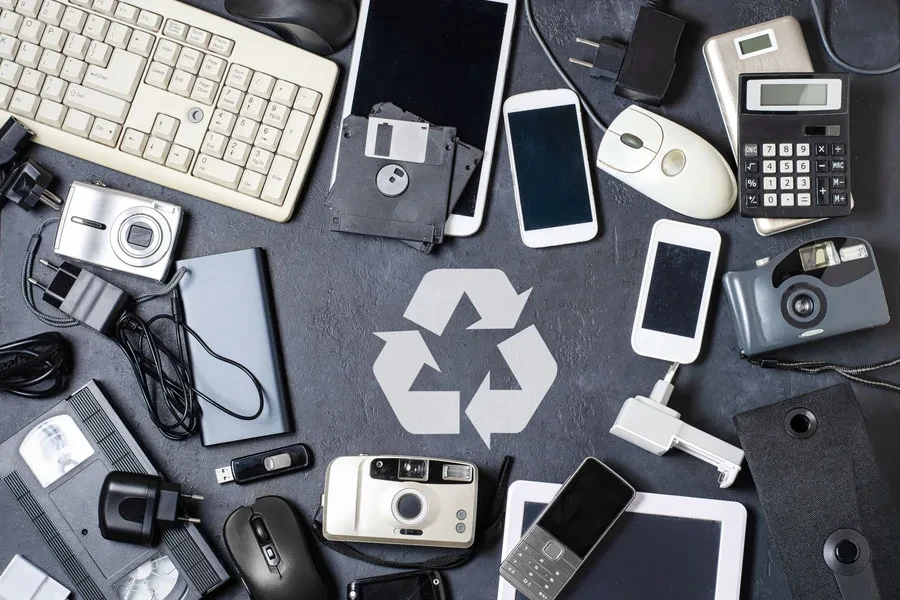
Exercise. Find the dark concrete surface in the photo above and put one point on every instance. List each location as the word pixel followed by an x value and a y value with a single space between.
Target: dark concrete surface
pixel 333 291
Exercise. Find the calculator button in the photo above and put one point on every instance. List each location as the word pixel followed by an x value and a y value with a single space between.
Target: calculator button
pixel 751 150
pixel 768 149
pixel 821 166
pixel 787 183
pixel 770 199
pixel 803 183
pixel 769 166
pixel 822 191
pixel 786 149
pixel 787 199
pixel 822 150
pixel 770 183
pixel 838 182
pixel 839 198
pixel 786 166
pixel 751 200
pixel 802 149
pixel 751 183
pixel 804 200
pixel 751 166
pixel 838 149
pixel 838 166
pixel 803 166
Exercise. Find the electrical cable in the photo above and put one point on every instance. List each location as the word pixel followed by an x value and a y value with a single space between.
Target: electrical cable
pixel 856 374
pixel 36 367
pixel 529 16
pixel 823 35
pixel 62 320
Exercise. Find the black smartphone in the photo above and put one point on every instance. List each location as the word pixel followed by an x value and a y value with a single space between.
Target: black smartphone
pixel 569 529
pixel 417 585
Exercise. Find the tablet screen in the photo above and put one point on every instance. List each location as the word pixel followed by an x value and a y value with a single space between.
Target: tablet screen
pixel 437 59
pixel 647 556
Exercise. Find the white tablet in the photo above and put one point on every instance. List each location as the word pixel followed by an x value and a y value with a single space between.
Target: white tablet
pixel 663 547
pixel 443 61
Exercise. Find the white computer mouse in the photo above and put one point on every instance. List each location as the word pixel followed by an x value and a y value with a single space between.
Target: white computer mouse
pixel 668 163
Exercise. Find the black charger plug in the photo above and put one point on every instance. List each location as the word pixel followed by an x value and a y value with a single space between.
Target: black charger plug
pixel 135 508
pixel 14 139
pixel 643 68
pixel 27 185
pixel 84 296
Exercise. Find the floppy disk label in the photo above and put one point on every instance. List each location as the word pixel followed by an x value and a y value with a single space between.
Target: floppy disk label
pixel 402 141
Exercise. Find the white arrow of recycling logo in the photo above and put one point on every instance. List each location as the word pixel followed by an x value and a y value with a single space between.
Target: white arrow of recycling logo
pixel 406 353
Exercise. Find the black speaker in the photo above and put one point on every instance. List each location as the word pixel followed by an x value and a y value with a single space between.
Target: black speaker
pixel 830 512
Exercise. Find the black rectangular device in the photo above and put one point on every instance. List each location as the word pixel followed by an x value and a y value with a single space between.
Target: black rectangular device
pixel 794 148
pixel 569 529
pixel 417 585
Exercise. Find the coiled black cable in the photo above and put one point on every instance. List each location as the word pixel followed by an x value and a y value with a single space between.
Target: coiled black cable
pixel 36 367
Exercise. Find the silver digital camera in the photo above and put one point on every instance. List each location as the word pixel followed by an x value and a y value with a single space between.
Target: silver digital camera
pixel 401 500
pixel 818 290
pixel 118 231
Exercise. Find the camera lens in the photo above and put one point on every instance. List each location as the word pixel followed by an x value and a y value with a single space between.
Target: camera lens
pixel 804 305
pixel 410 507
pixel 415 470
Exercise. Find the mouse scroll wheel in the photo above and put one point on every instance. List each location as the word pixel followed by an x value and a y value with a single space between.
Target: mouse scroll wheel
pixel 632 141
pixel 260 531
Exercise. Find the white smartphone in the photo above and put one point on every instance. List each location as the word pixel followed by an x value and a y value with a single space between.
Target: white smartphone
pixel 675 291
pixel 550 167
pixel 445 62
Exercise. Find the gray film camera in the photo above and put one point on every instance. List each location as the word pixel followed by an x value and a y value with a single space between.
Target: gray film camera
pixel 818 290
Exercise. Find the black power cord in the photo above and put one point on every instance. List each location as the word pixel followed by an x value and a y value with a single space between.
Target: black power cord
pixel 823 34
pixel 36 367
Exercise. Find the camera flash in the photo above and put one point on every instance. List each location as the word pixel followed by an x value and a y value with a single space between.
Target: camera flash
pixel 457 473
pixel 856 252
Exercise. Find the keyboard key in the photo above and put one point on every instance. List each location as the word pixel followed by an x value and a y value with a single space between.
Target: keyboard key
pixel 231 99
pixel 295 134
pixel 284 93
pixel 787 199
pixel 99 54
pixel 751 150
pixel 770 200
pixel 785 149
pixel 276 115
pixel 159 75
pixel 24 104
pixel 182 83
pixel 751 166
pixel 134 142
pixel 157 150
pixel 165 127
pixel 822 191
pixel 837 149
pixel 120 78
pixel 77 46
pixel 245 130
pixel 175 29
pixel 141 43
pixel 32 30
pixel 214 144
pixel 167 52
pixel 149 20
pixel 751 200
pixel 838 166
pixel 279 180
pixel 51 12
pixel 802 149
pixel 82 3
pixel 106 7
pixel 73 20
pixel 54 89
pixel 54 38
pixel 105 132
pixel 10 23
pixel 204 91
pixel 803 166
pixel 51 113
pixel 213 68
pixel 78 123
pixel 118 36
pixel 268 138
pixel 222 122
pixel 28 8
pixel 214 170
pixel 29 55
pixel 8 4
pixel 127 13
pixel 769 150
pixel 839 198
pixel 307 101
pixel 770 183
pixel 822 150
pixel 254 107
pixel 96 103
pixel 221 45
pixel 180 158
pixel 751 183
pixel 803 183
pixel 787 183
pixel 9 47
pixel 189 60
pixel 262 85
pixel 260 160
pixel 6 93
pixel 786 166
pixel 252 183
pixel 237 152
pixel 838 182
pixel 239 77
pixel 198 37
pixel 73 70
pixel 804 199
pixel 10 73
pixel 821 166
pixel 96 28
pixel 32 81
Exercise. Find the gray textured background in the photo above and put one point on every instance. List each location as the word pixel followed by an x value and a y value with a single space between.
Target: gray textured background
pixel 333 291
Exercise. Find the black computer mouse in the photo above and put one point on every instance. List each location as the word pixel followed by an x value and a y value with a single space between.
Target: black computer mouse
pixel 320 26
pixel 268 545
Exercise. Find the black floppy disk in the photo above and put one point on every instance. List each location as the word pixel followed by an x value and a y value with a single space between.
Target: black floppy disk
pixel 53 470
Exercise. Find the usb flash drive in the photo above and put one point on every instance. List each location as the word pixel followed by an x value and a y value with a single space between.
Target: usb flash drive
pixel 270 463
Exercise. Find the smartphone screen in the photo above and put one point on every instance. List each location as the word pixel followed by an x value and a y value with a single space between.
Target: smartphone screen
pixel 586 507
pixel 549 167
pixel 676 290
pixel 411 586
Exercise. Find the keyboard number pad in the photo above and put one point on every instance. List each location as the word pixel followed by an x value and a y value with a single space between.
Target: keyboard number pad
pixel 257 134
pixel 784 175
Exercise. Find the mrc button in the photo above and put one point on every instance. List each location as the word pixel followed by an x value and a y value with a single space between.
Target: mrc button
pixel 552 550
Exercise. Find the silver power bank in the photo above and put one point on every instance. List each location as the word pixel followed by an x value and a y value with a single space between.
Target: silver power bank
pixel 773 47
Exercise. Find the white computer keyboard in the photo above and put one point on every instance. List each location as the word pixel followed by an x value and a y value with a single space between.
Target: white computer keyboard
pixel 168 93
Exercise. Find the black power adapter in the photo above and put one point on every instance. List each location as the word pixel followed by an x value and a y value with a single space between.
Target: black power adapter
pixel 643 68
pixel 135 508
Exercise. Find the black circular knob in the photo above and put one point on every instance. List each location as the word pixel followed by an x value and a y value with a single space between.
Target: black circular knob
pixel 847 552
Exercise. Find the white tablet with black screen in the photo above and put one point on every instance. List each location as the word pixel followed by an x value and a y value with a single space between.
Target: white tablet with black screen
pixel 670 547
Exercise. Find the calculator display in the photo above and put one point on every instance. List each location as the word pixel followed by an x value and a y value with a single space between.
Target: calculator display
pixel 793 94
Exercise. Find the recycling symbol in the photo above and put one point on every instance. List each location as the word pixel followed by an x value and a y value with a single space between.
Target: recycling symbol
pixel 405 354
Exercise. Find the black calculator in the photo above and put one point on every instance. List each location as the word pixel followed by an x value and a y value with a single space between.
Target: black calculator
pixel 794 145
